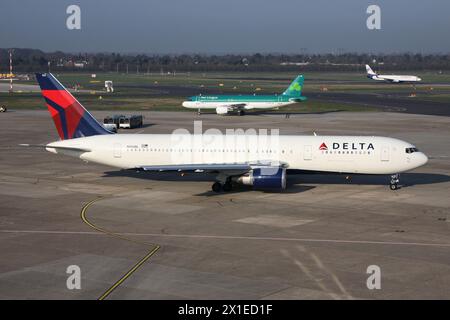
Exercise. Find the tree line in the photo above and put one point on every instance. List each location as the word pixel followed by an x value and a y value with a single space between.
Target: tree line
pixel 31 60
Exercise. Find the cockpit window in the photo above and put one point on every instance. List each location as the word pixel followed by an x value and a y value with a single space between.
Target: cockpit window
pixel 411 150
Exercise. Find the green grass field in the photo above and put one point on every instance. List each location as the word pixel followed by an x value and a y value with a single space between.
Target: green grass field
pixel 141 91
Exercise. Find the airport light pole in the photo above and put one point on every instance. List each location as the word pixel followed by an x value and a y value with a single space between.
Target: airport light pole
pixel 10 72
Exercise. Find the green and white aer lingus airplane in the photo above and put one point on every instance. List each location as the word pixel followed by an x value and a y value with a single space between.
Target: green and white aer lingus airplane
pixel 225 104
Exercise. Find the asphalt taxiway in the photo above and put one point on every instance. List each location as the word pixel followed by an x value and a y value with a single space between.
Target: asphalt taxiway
pixel 4 87
pixel 383 100
pixel 155 236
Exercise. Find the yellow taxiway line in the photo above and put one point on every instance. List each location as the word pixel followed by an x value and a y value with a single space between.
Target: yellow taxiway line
pixel 136 266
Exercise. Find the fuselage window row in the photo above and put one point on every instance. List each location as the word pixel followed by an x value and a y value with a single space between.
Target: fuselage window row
pixel 247 151
pixel 203 150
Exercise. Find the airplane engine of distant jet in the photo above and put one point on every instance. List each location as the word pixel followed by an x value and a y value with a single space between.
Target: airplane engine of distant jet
pixel 265 178
pixel 222 110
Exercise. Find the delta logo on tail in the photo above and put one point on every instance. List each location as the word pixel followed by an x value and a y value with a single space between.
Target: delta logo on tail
pixel 71 119
pixel 65 111
pixel 323 146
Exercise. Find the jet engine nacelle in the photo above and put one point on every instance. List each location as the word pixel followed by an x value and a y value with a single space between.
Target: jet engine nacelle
pixel 110 127
pixel 222 110
pixel 265 178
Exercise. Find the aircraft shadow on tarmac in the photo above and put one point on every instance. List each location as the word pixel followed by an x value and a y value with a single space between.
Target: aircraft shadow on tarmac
pixel 406 179
pixel 147 125
pixel 291 188
pixel 177 177
pixel 296 183
pixel 272 113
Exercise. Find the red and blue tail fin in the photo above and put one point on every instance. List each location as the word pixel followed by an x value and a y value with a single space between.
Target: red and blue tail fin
pixel 71 119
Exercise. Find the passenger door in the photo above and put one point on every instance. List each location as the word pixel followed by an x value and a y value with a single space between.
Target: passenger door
pixel 307 153
pixel 117 150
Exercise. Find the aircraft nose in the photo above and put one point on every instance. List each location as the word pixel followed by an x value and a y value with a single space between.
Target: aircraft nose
pixel 421 158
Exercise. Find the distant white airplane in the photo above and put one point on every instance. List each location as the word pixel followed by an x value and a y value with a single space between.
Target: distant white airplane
pixel 232 159
pixel 390 78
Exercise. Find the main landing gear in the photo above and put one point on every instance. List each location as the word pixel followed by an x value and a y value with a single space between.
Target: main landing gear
pixel 217 186
pixel 241 112
pixel 395 179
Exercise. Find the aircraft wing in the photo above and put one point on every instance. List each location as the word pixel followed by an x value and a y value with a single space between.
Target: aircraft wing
pixel 392 80
pixel 389 79
pixel 213 167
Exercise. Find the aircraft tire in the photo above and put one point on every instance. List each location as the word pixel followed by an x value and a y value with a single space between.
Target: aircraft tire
pixel 227 187
pixel 216 187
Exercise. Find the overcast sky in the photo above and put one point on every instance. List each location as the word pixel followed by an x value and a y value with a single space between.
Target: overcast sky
pixel 231 26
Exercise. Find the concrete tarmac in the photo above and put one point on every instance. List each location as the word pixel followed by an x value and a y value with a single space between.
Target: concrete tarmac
pixel 313 241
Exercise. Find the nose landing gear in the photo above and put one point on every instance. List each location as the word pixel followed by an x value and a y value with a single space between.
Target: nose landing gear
pixel 395 179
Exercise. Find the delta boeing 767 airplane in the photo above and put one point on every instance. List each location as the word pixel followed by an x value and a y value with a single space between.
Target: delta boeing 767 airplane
pixel 261 162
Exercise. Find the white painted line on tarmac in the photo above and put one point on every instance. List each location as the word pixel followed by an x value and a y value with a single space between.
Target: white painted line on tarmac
pixel 225 237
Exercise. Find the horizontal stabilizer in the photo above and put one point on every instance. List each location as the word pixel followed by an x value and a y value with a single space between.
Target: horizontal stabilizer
pixel 45 146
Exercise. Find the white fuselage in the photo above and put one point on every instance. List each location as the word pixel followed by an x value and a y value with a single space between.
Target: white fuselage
pixel 395 79
pixel 349 154
pixel 249 105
